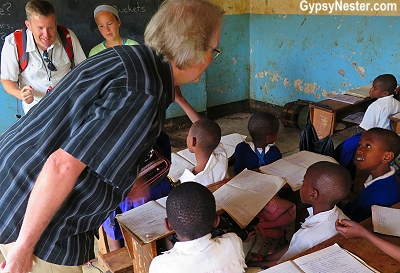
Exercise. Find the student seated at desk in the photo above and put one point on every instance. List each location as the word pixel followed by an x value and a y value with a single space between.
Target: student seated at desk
pixel 376 150
pixel 351 229
pixel 384 89
pixel 191 214
pixel 325 184
pixel 263 128
pixel 212 161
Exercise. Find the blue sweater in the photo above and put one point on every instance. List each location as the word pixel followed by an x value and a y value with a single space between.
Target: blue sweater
pixel 383 192
pixel 246 158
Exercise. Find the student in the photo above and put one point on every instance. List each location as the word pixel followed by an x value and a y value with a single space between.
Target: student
pixel 325 184
pixel 48 60
pixel 191 214
pixel 383 89
pixel 108 23
pixel 351 229
pixel 263 128
pixel 375 152
pixel 212 162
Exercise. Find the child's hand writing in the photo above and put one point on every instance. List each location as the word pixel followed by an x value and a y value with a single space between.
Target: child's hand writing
pixel 350 229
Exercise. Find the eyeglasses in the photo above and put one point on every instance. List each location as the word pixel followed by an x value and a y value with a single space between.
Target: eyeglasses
pixel 216 52
pixel 46 58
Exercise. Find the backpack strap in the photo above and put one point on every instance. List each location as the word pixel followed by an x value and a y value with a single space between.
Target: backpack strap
pixel 20 42
pixel 67 43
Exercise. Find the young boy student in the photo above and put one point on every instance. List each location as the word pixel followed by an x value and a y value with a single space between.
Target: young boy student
pixel 376 150
pixel 383 88
pixel 351 229
pixel 325 184
pixel 191 214
pixel 212 161
pixel 263 128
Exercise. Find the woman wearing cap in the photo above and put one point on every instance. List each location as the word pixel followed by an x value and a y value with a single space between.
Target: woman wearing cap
pixel 108 23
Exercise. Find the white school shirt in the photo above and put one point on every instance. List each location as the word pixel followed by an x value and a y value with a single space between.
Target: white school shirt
pixel 223 254
pixel 315 229
pixel 377 113
pixel 35 73
pixel 214 171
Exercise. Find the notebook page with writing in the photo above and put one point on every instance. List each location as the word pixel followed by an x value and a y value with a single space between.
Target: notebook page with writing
pixel 145 221
pixel 246 194
pixel 189 156
pixel 292 173
pixel 230 141
pixel 332 259
pixel 386 220
pixel 286 267
pixel 306 158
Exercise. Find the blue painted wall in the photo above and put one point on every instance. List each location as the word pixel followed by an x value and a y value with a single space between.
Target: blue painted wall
pixel 305 57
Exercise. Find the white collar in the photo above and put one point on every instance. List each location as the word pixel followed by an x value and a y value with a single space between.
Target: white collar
pixel 369 180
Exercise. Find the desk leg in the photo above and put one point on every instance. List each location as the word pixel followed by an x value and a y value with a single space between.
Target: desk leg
pixel 141 255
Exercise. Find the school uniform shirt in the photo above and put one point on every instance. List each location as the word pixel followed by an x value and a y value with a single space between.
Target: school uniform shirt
pixel 214 171
pixel 222 254
pixel 36 74
pixel 315 229
pixel 246 157
pixel 107 113
pixel 382 191
pixel 377 113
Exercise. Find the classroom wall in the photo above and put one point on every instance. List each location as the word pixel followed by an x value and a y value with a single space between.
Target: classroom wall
pixel 275 52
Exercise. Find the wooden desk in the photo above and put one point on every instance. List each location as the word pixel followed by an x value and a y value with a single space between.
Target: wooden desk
pixel 368 252
pixel 325 113
pixel 395 123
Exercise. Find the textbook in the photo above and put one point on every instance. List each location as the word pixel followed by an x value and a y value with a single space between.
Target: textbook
pixel 345 98
pixel 244 196
pixel 386 220
pixel 293 168
pixel 332 259
pixel 186 160
pixel 362 92
pixel 146 221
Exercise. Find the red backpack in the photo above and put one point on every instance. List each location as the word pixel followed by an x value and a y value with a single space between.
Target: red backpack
pixel 23 56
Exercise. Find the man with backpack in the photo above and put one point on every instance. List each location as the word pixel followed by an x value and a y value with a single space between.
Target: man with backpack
pixel 35 58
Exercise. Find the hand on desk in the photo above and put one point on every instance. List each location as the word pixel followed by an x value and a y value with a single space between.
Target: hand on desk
pixel 351 229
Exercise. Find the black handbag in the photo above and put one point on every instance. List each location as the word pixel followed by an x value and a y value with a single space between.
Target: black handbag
pixel 309 140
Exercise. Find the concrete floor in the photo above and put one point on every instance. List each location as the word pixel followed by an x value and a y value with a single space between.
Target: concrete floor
pixel 287 142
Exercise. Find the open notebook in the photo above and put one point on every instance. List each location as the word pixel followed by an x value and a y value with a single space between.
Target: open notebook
pixel 332 259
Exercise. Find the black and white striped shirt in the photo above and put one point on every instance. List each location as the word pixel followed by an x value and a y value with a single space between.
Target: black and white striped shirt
pixel 107 113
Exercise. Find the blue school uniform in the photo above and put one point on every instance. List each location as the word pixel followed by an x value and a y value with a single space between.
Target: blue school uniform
pixel 248 158
pixel 383 192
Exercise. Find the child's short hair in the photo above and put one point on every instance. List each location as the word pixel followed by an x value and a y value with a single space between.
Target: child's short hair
pixel 388 81
pixel 191 210
pixel 262 124
pixel 389 139
pixel 332 181
pixel 207 133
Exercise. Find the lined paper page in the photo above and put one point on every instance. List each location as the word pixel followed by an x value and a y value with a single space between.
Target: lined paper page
pixel 386 220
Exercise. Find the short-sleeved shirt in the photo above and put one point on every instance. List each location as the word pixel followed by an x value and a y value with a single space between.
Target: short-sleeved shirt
pixel 377 113
pixel 223 254
pixel 107 113
pixel 36 73
pixel 100 47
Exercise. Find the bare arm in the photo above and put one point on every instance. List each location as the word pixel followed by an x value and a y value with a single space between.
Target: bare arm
pixel 189 110
pixel 351 229
pixel 12 88
pixel 55 182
